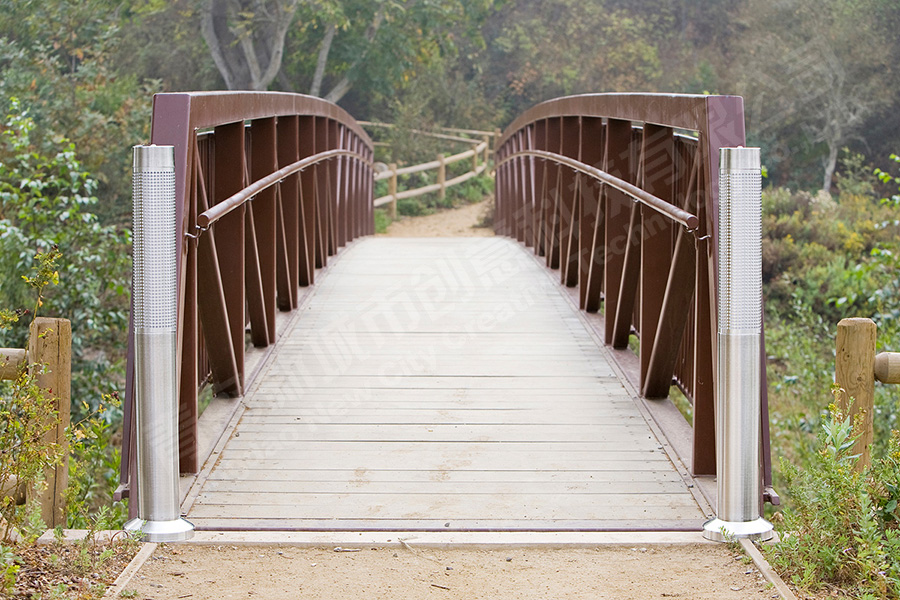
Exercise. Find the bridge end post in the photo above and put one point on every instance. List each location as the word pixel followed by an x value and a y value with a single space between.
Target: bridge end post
pixel 738 388
pixel 154 303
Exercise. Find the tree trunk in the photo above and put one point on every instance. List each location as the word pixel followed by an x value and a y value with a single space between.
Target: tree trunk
pixel 830 164
pixel 246 39
pixel 316 87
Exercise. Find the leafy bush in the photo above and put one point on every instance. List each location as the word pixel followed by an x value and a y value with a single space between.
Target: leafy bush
pixel 842 529
pixel 826 259
pixel 382 220
pixel 46 200
pixel 28 415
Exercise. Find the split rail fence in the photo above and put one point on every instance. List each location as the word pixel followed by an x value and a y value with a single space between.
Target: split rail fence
pixel 49 354
pixel 479 155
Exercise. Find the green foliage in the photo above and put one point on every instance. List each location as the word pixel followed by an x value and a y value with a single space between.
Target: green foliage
pixel 27 416
pixel 842 529
pixel 94 472
pixel 823 260
pixel 9 566
pixel 382 220
pixel 46 201
pixel 892 180
pixel 57 57
pixel 541 50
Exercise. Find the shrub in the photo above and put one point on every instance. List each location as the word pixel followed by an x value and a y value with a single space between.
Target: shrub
pixel 27 417
pixel 842 528
pixel 46 199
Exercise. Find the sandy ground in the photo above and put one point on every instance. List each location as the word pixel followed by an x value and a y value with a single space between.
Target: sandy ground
pixel 459 222
pixel 702 571
pixel 202 572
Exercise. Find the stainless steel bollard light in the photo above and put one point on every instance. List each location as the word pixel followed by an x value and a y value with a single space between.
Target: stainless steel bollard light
pixel 738 340
pixel 153 313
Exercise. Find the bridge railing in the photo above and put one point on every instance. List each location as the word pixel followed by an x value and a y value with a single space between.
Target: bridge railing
pixel 267 187
pixel 619 192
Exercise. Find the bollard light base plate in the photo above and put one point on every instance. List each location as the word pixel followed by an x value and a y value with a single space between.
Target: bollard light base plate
pixel 718 530
pixel 178 530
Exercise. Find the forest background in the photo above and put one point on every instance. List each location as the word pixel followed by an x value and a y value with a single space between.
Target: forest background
pixel 819 79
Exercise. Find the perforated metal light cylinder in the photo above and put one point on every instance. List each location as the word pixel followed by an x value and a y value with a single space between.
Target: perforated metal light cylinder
pixel 738 339
pixel 154 313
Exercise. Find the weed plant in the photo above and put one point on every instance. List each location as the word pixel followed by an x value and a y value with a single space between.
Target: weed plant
pixel 840 533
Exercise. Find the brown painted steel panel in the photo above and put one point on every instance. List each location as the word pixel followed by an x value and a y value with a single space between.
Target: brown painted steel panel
pixel 264 150
pixel 540 189
pixel 673 318
pixel 590 239
pixel 659 171
pixel 228 179
pixel 617 211
pixel 528 191
pixel 308 182
pixel 552 185
pixel 289 215
pixel 333 200
pixel 569 208
pixel 323 230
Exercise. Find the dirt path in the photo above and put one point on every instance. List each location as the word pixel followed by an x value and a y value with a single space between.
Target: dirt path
pixel 458 222
pixel 702 571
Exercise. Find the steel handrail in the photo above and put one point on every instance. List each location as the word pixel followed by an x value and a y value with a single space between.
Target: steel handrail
pixel 692 222
pixel 208 217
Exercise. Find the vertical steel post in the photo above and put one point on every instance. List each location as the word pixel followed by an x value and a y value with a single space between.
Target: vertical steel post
pixel 738 341
pixel 154 314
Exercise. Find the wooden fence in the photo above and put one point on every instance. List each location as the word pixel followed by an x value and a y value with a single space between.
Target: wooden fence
pixel 49 345
pixel 857 367
pixel 479 154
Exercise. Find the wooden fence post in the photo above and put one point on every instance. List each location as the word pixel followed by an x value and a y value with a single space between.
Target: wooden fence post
pixel 494 145
pixel 392 191
pixel 855 373
pixel 442 177
pixel 50 345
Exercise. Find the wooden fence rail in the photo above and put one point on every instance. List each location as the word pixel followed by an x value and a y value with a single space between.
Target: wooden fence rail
pixel 49 345
pixel 611 190
pixel 857 367
pixel 479 151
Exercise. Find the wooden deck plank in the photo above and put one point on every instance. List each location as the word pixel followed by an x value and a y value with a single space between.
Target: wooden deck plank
pixel 441 384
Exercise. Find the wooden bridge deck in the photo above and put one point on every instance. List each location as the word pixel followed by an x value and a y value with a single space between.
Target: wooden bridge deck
pixel 441 384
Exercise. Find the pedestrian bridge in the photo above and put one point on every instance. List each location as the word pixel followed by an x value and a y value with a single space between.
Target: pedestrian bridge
pixel 474 384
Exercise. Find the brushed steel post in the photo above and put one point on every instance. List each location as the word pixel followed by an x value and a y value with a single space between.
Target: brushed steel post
pixel 738 340
pixel 154 313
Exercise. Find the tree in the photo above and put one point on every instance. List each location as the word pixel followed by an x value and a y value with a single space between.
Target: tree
pixel 46 199
pixel 813 71
pixel 246 39
pixel 326 47
pixel 56 56
pixel 541 49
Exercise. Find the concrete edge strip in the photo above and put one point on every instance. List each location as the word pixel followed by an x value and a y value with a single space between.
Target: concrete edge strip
pixel 766 569
pixel 130 571
pixel 441 539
